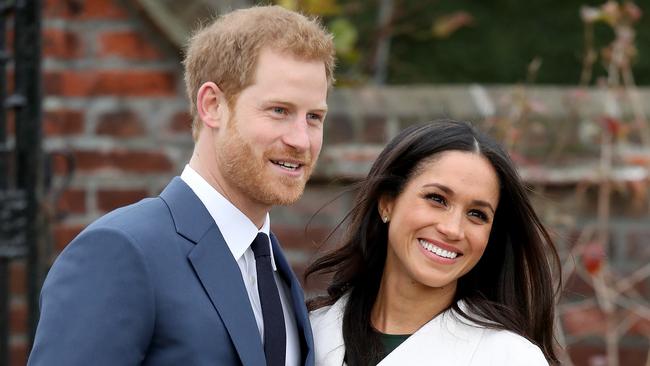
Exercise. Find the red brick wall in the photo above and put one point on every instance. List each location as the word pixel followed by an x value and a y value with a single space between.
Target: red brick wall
pixel 114 101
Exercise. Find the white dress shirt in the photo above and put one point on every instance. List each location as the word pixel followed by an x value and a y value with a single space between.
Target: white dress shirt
pixel 239 232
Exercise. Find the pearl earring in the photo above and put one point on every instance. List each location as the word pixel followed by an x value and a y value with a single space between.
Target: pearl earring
pixel 385 219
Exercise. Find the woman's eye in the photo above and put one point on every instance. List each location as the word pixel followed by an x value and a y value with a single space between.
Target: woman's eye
pixel 437 199
pixel 479 215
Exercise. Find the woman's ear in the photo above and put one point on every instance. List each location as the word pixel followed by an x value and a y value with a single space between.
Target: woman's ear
pixel 211 104
pixel 385 207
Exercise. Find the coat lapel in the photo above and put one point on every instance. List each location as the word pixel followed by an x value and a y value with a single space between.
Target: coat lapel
pixel 216 269
pixel 448 339
pixel 298 302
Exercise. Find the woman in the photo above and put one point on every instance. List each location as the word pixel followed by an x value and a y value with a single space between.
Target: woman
pixel 443 262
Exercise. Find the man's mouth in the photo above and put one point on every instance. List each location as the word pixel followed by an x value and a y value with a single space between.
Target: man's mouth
pixel 291 166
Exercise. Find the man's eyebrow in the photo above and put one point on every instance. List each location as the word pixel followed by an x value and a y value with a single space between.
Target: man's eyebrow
pixel 321 108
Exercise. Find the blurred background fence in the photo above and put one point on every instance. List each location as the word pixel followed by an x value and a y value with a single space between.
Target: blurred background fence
pixel 556 83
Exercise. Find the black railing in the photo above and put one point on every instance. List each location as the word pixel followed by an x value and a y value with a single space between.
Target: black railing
pixel 20 156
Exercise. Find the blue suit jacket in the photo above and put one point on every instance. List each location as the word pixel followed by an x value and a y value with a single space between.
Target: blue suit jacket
pixel 154 283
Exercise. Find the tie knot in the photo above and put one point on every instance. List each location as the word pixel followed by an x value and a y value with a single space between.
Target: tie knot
pixel 260 246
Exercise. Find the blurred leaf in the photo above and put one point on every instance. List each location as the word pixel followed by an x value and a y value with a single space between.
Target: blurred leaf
pixel 322 7
pixel 590 14
pixel 593 257
pixel 612 125
pixel 288 4
pixel 632 11
pixel 611 12
pixel 345 36
pixel 444 26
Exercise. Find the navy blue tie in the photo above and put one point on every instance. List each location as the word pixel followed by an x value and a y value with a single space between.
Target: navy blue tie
pixel 275 339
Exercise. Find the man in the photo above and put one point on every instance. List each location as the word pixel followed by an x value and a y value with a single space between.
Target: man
pixel 191 277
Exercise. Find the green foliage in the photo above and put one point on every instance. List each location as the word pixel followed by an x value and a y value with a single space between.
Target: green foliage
pixel 462 41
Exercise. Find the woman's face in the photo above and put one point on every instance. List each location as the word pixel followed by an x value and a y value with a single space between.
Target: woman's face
pixel 440 224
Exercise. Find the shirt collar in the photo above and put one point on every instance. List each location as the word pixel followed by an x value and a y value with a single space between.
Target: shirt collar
pixel 236 228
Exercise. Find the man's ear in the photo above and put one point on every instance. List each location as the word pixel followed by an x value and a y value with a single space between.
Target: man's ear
pixel 385 207
pixel 211 104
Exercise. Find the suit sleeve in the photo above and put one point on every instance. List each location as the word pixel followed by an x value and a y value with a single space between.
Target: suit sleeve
pixel 97 304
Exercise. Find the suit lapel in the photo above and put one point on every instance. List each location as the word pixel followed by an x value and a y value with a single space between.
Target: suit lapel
pixel 216 269
pixel 221 278
pixel 298 301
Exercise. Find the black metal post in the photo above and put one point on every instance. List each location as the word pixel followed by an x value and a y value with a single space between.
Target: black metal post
pixel 28 138
pixel 4 184
pixel 4 311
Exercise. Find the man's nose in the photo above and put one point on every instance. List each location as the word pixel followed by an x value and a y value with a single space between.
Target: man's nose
pixel 297 135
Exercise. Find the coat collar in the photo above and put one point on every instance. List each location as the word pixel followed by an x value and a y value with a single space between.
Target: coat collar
pixel 447 339
pixel 216 269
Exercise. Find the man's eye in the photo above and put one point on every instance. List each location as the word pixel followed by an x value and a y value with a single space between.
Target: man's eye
pixel 279 110
pixel 314 116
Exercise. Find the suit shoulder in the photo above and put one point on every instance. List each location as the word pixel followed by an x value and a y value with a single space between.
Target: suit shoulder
pixel 146 209
pixel 150 216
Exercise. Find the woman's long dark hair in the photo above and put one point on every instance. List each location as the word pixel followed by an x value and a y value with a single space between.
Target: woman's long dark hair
pixel 511 285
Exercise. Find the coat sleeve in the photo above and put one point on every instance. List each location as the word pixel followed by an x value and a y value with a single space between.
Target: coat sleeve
pixel 97 304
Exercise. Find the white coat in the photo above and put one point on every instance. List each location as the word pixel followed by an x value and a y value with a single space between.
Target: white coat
pixel 447 339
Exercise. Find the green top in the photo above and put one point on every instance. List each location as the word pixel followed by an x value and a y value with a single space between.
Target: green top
pixel 392 341
pixel 389 341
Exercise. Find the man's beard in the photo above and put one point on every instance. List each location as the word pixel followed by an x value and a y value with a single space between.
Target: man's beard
pixel 252 175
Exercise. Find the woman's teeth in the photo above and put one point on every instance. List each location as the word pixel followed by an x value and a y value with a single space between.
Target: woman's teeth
pixel 437 250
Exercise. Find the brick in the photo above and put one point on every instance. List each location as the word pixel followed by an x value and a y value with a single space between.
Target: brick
pixel 592 355
pixel 63 235
pixel 374 129
pixel 11 80
pixel 61 44
pixel 62 162
pixel 121 83
pixel 638 246
pixel 128 45
pixel 83 9
pixel 17 278
pixel 577 288
pixel 338 129
pixel 120 124
pixel 181 122
pixel 296 238
pixel 9 39
pixel 125 160
pixel 108 200
pixel 18 318
pixel 641 327
pixel 584 321
pixel 18 353
pixel 11 122
pixel 63 122
pixel 409 120
pixel 72 201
